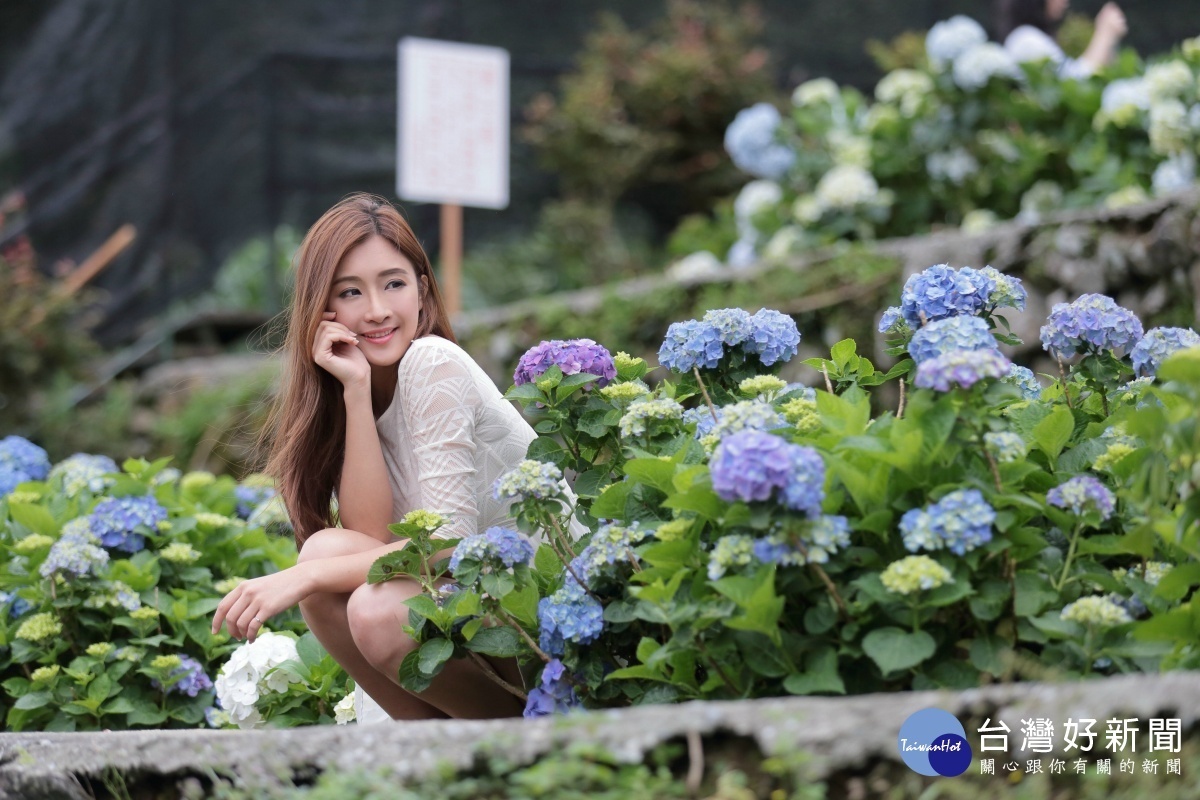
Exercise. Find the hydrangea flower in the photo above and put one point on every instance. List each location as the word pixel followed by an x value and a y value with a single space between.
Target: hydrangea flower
pixel 555 695
pixel 816 91
pixel 953 166
pixel 116 521
pixel 1123 98
pixel 767 385
pixel 1175 174
pixel 959 522
pixel 702 418
pixel 963 368
pixel 39 627
pixel 83 472
pixel 950 38
pixel 745 415
pixel 250 673
pixel 821 537
pixel 735 325
pixel 975 67
pixel 625 392
pixel 1004 446
pixel 691 344
pixel 752 465
pixel 250 497
pixel 942 291
pixel 1095 611
pixel 1158 343
pixel 1081 494
pixel 891 317
pixel 1024 379
pixel 17 606
pixel 22 455
pixel 906 89
pixel 608 545
pixel 568 615
pixel 1009 292
pixel 179 553
pixel 496 548
pixel 197 481
pixel 343 712
pixel 1168 79
pixel 100 650
pixel 914 574
pixel 572 356
pixel 1170 130
pixel 754 198
pixel 845 187
pixel 192 678
pixel 637 418
pixel 773 336
pixel 76 551
pixel 424 519
pixel 1155 571
pixel 529 480
pixel 735 550
pixel 802 414
pixel 751 142
pixel 942 336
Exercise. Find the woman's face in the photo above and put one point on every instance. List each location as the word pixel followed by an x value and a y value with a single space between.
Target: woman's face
pixel 376 294
pixel 1056 9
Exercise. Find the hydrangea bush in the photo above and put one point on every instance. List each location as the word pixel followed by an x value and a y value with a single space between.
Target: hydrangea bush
pixel 973 136
pixel 992 526
pixel 110 579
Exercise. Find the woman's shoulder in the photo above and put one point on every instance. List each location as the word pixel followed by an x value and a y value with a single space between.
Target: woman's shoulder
pixel 433 350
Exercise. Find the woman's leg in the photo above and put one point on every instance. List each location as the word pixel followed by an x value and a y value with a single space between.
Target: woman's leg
pixel 326 616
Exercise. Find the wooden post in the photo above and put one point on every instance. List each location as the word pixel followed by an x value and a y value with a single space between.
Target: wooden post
pixel 451 257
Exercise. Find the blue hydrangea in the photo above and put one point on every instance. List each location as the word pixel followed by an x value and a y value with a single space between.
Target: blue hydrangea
pixel 192 680
pixel 1158 343
pixel 773 336
pixel 1009 292
pixel 1006 447
pixel 10 478
pixel 744 416
pixel 1092 324
pixel 251 497
pixel 23 456
pixel 942 291
pixel 499 548
pixel 959 522
pixel 752 465
pixel 963 368
pixel 1024 379
pixel 555 695
pixel 805 489
pixel 536 480
pixel 752 144
pixel 116 521
pixel 568 615
pixel 821 537
pixel 83 472
pixel 735 325
pixel 952 333
pixel 703 420
pixel 16 605
pixel 76 552
pixel 690 344
pixel 1082 494
pixel 608 545
pixel 735 550
pixel 890 318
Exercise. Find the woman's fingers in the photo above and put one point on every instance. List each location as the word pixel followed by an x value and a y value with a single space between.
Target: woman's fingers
pixel 250 622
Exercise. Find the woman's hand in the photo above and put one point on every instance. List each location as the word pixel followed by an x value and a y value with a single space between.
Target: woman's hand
pixel 1111 24
pixel 254 601
pixel 335 349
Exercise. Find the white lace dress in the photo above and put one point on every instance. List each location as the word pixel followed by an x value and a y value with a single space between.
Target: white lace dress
pixel 446 437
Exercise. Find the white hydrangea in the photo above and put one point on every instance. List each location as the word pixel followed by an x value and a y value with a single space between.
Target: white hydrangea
pixel 1122 99
pixel 850 149
pixel 950 38
pixel 846 187
pixel 695 267
pixel 906 89
pixel 755 197
pixel 1169 80
pixel 1170 132
pixel 243 679
pixel 807 209
pixel 954 166
pixel 978 65
pixel 343 712
pixel 979 220
pixel 1174 174
pixel 1126 196
pixel 818 90
pixel 1042 198
pixel 786 241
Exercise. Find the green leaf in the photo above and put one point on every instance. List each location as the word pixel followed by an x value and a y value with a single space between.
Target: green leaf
pixel 843 352
pixel 396 564
pixel 411 677
pixel 591 482
pixel 699 499
pixel 522 604
pixel 1034 593
pixel 471 628
pixel 611 502
pixel 1182 365
pixel 500 641
pixel 119 705
pixel 1053 433
pixel 433 656
pixel 820 675
pixel 99 689
pixel 1176 583
pixel 987 653
pixel 527 392
pixel 34 517
pixel 893 649
pixel 33 700
pixel 497 584
pixel 310 650
pixel 149 717
pixel 655 472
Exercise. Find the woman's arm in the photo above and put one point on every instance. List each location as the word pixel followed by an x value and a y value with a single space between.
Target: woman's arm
pixel 1110 29
pixel 364 492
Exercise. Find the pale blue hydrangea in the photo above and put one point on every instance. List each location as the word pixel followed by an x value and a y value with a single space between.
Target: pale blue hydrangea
pixel 555 695
pixel 890 319
pixel 734 325
pixel 17 606
pixel 84 472
pixel 192 678
pixel 952 333
pixel 1095 611
pixel 691 344
pixel 1024 379
pixel 119 522
pixel 1004 446
pixel 10 479
pixel 751 141
pixel 975 67
pixel 753 465
pixel 950 38
pixel 1009 291
pixel 820 538
pixel 959 522
pixel 805 489
pixel 1175 174
pixel 773 336
pixel 745 415
pixel 736 550
pixel 23 456
pixel 496 548
pixel 962 368
pixel 640 415
pixel 536 480
pixel 1158 343
pixel 1082 494
pixel 609 545
pixel 702 417
pixel 76 552
pixel 952 166
pixel 1094 323
pixel 124 596
pixel 942 291
pixel 250 498
pixel 568 615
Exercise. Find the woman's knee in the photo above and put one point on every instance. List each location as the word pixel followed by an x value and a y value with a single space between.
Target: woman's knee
pixel 333 542
pixel 376 616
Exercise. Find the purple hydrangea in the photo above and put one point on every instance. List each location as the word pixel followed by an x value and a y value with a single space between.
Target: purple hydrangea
pixel 1082 494
pixel 959 522
pixel 942 291
pixel 952 333
pixel 752 144
pixel 193 679
pixel 1024 379
pixel 962 368
pixel 116 521
pixel 572 356
pixel 689 344
pixel 499 548
pixel 1158 343
pixel 1094 323
pixel 773 336
pixel 752 465
pixel 568 615
pixel 251 497
pixel 555 695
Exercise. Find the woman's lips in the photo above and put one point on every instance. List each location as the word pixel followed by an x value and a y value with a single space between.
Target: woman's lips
pixel 378 340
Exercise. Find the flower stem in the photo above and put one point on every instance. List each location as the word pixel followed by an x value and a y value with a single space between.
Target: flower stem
pixel 1062 371
pixel 704 391
pixel 900 408
pixel 833 592
pixel 528 639
pixel 716 665
pixel 991 462
pixel 491 675
pixel 1062 580
pixel 828 383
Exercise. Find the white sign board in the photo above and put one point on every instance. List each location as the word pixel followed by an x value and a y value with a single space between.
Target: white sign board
pixel 453 123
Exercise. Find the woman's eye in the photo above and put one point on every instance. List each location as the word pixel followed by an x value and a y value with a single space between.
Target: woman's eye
pixel 394 283
pixel 347 292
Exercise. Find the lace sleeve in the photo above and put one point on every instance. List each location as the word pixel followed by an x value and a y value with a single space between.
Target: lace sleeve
pixel 440 401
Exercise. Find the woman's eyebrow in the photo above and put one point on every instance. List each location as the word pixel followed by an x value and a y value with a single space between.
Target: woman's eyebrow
pixel 388 273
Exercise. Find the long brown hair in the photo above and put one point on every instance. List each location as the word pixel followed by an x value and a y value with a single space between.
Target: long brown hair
pixel 307 425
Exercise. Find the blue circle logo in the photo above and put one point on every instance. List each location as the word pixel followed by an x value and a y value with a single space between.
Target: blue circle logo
pixel 933 742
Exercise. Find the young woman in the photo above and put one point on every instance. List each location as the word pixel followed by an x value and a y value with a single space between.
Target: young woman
pixel 1027 27
pixel 380 406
